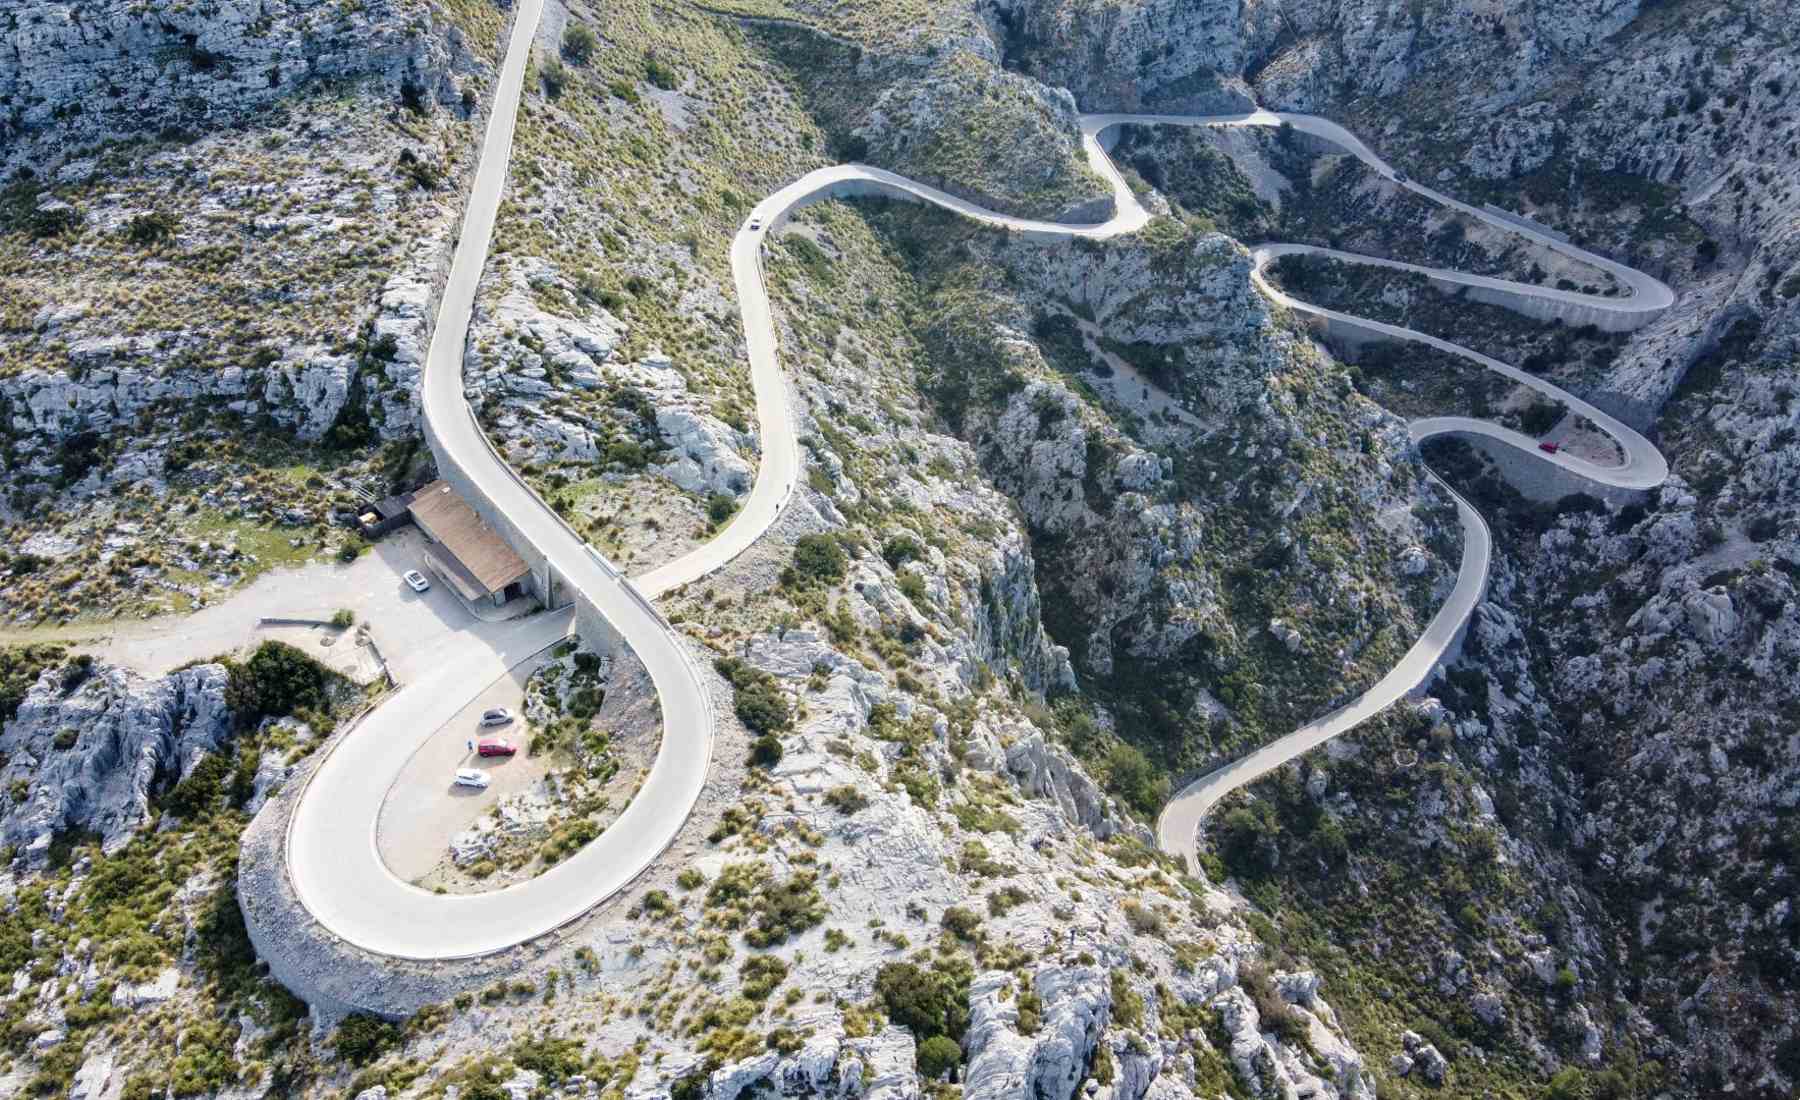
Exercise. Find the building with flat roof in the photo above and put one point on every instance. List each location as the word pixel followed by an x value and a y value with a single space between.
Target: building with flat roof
pixel 465 551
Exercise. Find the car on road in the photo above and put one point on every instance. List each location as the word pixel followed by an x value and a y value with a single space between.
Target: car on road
pixel 1401 177
pixel 415 580
pixel 1549 448
pixel 495 746
pixel 755 224
pixel 472 777
pixel 496 716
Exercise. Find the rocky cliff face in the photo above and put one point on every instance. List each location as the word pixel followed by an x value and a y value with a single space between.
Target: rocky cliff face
pixel 87 69
pixel 161 273
pixel 91 745
pixel 1163 433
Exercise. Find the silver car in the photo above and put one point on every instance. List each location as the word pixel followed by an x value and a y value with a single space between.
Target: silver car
pixel 472 777
pixel 496 716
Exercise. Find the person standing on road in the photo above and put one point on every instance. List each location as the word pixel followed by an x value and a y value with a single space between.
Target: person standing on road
pixel 471 745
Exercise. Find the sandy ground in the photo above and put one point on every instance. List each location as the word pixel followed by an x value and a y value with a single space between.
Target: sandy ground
pixel 403 624
pixel 1586 442
pixel 424 808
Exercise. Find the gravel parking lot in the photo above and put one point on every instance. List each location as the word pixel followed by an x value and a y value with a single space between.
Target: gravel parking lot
pixel 424 808
pixel 405 625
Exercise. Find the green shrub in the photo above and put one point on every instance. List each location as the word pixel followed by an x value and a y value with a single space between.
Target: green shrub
pixel 555 1060
pixel 900 549
pixel 579 43
pixel 765 751
pixel 784 909
pixel 425 176
pixel 54 221
pixel 925 1002
pixel 1131 777
pixel 720 508
pixel 758 700
pixel 1245 840
pixel 19 669
pixel 276 681
pixel 361 1038
pixel 819 561
pixel 846 800
pixel 555 78
pixel 659 73
pixel 760 975
pixel 152 228
pixel 937 1056
pixel 197 795
pixel 1001 902
pixel 961 923
pixel 912 586
pixel 343 618
pixel 1128 1003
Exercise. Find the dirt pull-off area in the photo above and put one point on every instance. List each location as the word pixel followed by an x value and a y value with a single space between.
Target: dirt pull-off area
pixel 586 731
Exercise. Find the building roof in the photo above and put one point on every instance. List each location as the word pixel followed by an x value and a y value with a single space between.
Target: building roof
pixel 480 556
pixel 389 507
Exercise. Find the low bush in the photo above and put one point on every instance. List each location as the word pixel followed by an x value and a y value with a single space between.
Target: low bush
pixel 961 923
pixel 661 74
pixel 758 700
pixel 152 228
pixel 19 669
pixel 275 682
pixel 937 1056
pixel 579 43
pixel 846 800
pixel 925 1002
pixel 555 78
pixel 760 975
pixel 819 562
pixel 765 751
pixel 361 1039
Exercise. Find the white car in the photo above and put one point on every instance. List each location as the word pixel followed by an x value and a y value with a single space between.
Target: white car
pixel 415 580
pixel 755 224
pixel 496 716
pixel 472 777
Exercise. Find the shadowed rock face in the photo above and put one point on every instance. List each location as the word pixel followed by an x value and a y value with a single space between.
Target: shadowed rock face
pixel 93 751
pixel 130 65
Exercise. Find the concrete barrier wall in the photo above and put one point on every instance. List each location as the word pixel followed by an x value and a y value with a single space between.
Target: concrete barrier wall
pixel 1544 482
pixel 547 584
pixel 1539 308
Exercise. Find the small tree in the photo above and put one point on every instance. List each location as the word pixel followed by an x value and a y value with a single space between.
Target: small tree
pixel 765 751
pixel 937 1056
pixel 555 78
pixel 579 43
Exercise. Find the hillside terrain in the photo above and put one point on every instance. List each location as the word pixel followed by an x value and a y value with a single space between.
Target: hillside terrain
pixel 1078 520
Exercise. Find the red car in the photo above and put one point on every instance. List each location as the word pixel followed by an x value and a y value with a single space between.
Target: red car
pixel 495 746
pixel 1548 447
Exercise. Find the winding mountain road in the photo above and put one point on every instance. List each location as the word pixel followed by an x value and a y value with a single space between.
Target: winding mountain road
pixel 332 858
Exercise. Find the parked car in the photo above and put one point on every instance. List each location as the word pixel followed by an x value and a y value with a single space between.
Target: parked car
pixel 496 716
pixel 472 777
pixel 415 580
pixel 495 746
pixel 1549 448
